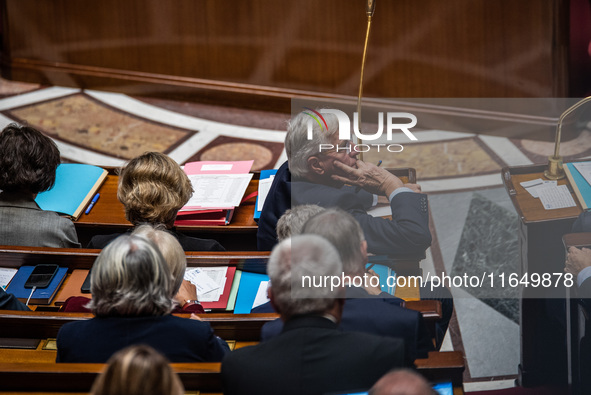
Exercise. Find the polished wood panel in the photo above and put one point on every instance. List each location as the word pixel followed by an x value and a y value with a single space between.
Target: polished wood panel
pixel 81 258
pixel 529 208
pixel 69 377
pixel 261 53
pixel 202 376
pixel 442 366
pixel 543 350
pixel 42 324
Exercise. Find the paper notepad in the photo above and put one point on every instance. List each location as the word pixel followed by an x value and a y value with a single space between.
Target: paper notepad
pixel 556 197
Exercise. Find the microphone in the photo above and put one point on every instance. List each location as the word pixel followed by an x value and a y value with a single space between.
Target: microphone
pixel 370 7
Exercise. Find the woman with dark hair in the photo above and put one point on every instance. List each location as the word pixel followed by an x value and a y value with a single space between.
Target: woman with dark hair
pixel 132 300
pixel 28 161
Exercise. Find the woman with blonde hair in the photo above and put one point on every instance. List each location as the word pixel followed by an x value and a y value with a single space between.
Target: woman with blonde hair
pixel 153 188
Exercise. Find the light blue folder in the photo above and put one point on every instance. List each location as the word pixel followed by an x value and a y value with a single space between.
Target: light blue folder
pixel 247 291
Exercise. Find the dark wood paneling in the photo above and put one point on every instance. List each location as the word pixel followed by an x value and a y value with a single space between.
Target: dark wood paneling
pixel 272 50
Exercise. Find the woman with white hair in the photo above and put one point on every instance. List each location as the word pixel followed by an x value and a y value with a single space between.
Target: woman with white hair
pixel 131 298
pixel 182 291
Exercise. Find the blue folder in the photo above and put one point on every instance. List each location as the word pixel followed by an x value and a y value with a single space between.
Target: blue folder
pixel 384 272
pixel 247 291
pixel 41 295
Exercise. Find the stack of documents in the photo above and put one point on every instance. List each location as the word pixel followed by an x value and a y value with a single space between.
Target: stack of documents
pixel 551 195
pixel 213 285
pixel 218 189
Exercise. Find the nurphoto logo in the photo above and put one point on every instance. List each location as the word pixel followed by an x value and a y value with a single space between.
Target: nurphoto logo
pixel 345 129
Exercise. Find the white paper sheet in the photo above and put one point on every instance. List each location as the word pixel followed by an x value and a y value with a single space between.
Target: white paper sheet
pixel 218 190
pixel 264 186
pixel 585 169
pixel 224 167
pixel 531 183
pixel 209 281
pixel 201 280
pixel 6 274
pixel 534 186
pixel 261 297
pixel 556 197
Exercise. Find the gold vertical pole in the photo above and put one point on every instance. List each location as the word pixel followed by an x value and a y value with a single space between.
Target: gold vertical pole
pixel 369 10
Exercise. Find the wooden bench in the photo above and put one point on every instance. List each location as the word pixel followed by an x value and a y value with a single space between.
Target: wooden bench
pixel 250 261
pixel 204 377
pixel 78 377
pixel 43 324
pixel 34 370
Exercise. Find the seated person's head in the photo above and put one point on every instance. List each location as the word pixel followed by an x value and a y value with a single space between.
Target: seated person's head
pixel 137 370
pixel 171 250
pixel 344 232
pixel 402 382
pixel 291 222
pixel 305 159
pixel 153 188
pixel 289 262
pixel 28 160
pixel 130 278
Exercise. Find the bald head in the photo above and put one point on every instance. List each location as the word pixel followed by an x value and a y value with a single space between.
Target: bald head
pixel 402 382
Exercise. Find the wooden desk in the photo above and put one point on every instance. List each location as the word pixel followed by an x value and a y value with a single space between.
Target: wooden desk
pixel 108 216
pixel 543 352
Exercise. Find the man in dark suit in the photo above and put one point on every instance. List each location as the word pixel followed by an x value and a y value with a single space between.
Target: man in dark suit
pixel 367 309
pixel 310 356
pixel 312 176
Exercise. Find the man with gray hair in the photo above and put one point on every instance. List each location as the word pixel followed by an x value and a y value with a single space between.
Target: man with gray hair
pixel 315 176
pixel 310 349
pixel 367 309
pixel 292 221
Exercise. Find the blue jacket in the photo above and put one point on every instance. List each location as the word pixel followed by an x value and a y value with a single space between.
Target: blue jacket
pixel 179 339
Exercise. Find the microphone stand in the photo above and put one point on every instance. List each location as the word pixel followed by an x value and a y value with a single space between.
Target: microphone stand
pixel 369 10
pixel 555 169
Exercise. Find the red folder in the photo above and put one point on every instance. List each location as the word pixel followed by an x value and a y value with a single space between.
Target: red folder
pixel 222 303
pixel 205 218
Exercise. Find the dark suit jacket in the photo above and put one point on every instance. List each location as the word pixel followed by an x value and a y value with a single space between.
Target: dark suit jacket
pixel 188 243
pixel 10 302
pixel 311 356
pixel 23 223
pixel 179 339
pixel 407 233
pixel 377 315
